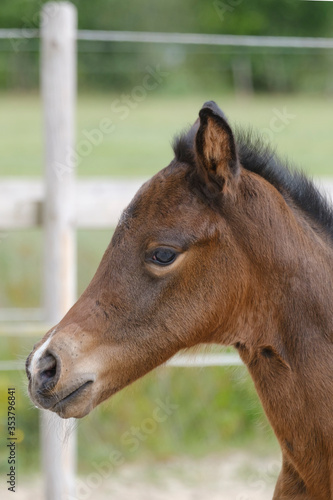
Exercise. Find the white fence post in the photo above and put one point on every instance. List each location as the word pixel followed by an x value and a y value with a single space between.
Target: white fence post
pixel 58 82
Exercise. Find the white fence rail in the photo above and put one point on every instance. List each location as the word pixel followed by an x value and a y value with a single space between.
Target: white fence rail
pixel 99 201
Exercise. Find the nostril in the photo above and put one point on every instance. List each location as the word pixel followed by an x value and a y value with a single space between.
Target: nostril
pixel 47 368
pixel 48 374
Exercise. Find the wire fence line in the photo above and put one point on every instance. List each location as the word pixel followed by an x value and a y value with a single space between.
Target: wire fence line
pixel 184 38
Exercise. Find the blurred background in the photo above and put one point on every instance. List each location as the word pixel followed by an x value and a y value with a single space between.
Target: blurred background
pixel 286 93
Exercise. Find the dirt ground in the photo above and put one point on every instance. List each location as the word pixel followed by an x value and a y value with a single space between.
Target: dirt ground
pixel 236 476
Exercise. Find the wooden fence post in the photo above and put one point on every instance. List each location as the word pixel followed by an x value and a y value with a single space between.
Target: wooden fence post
pixel 58 83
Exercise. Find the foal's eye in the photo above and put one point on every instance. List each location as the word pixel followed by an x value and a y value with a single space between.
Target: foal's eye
pixel 163 256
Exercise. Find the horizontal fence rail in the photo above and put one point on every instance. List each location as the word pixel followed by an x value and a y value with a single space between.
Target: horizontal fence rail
pixel 21 314
pixel 184 38
pixel 24 328
pixel 99 201
pixel 179 361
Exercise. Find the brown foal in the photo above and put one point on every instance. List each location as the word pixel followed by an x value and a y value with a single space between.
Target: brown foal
pixel 225 246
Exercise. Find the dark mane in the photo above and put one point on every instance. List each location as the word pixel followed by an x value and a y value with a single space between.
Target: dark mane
pixel 260 158
pixel 183 146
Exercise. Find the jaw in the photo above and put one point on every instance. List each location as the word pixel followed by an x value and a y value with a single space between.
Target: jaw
pixel 86 375
pixel 76 395
pixel 77 401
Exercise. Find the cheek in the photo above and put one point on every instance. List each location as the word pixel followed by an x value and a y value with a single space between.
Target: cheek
pixel 188 303
pixel 207 288
pixel 186 296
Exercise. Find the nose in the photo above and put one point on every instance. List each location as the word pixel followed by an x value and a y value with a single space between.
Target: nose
pixel 45 373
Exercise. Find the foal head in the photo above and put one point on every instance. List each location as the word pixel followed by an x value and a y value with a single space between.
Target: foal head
pixel 176 274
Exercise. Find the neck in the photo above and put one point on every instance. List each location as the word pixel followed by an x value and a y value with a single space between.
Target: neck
pixel 287 345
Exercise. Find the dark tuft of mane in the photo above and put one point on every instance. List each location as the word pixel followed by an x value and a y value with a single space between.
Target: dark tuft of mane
pixel 260 158
pixel 183 146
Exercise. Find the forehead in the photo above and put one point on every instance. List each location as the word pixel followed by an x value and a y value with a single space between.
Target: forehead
pixel 164 202
pixel 164 194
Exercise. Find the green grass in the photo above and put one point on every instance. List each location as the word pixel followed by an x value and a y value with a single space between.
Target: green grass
pixel 140 143
pixel 217 407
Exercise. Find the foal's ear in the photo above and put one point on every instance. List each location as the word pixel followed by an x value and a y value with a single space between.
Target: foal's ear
pixel 215 150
